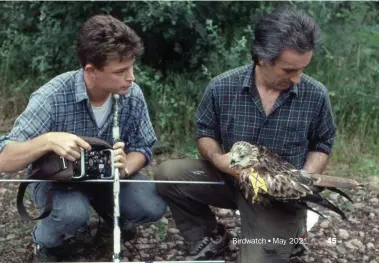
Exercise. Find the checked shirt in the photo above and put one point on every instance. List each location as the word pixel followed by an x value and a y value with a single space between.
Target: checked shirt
pixel 300 121
pixel 62 105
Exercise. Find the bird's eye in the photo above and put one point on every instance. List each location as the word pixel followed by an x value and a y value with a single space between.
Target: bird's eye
pixel 242 156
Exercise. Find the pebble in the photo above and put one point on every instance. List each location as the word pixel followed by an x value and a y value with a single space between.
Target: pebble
pixel 164 220
pixel 170 244
pixel 153 227
pixel 324 224
pixel 341 250
pixel 342 233
pixel 333 196
pixel 144 255
pixel 142 240
pixel 173 230
pixel 359 205
pixel 374 201
pixel 371 216
pixel 10 236
pixel 163 246
pixel 370 245
pixel 354 244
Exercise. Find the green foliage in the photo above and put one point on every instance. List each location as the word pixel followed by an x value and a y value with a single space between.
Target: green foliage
pixel 187 44
pixel 347 63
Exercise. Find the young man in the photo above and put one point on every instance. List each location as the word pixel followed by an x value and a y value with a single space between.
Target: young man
pixel 79 103
pixel 271 103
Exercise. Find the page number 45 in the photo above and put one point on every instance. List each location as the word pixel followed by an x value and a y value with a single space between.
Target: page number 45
pixel 332 240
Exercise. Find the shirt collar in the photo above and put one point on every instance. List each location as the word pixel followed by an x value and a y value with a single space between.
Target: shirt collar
pixel 249 85
pixel 80 86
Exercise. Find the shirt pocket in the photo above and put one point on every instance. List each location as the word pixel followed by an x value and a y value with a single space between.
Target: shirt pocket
pixel 295 138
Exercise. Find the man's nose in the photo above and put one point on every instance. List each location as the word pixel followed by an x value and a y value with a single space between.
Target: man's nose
pixel 130 75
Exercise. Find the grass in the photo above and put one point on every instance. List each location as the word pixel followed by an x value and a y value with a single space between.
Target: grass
pixel 354 157
pixel 162 230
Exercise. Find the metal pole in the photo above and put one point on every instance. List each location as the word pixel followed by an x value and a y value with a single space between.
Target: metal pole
pixel 110 181
pixel 188 261
pixel 116 187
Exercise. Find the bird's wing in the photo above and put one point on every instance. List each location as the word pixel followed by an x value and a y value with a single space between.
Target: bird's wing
pixel 287 187
pixel 273 162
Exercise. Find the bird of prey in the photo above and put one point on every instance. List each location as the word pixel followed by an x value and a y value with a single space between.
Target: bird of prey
pixel 265 176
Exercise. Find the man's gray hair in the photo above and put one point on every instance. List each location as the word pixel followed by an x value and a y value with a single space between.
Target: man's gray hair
pixel 284 28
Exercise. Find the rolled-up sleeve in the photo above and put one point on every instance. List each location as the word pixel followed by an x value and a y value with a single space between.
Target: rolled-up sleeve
pixel 324 132
pixel 207 115
pixel 35 120
pixel 143 135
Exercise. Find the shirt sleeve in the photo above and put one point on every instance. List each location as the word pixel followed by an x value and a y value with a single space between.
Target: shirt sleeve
pixel 324 132
pixel 207 116
pixel 142 137
pixel 35 120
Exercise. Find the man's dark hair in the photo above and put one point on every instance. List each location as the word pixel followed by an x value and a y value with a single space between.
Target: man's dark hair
pixel 284 28
pixel 104 37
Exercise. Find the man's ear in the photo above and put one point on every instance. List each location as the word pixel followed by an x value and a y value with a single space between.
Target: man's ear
pixel 266 63
pixel 90 70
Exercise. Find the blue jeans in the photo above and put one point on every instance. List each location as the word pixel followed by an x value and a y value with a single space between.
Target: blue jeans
pixel 139 204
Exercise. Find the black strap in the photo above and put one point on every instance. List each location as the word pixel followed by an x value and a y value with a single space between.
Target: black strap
pixel 48 204
pixel 22 210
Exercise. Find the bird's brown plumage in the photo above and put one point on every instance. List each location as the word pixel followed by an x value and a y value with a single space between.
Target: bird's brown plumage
pixel 282 180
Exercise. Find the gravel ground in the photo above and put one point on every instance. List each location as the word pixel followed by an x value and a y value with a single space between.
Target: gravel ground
pixel 329 240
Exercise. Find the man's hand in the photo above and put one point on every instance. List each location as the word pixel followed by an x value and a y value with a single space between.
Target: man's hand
pixel 66 145
pixel 210 149
pixel 120 157
pixel 222 161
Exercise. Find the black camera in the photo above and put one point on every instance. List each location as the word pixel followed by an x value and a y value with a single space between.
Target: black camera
pixel 94 165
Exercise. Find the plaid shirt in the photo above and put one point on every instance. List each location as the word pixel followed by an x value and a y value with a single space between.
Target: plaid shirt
pixel 300 121
pixel 62 105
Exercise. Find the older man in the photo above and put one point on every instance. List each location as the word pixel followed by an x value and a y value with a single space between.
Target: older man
pixel 269 102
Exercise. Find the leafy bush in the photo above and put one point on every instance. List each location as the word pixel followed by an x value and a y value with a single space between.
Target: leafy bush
pixel 188 43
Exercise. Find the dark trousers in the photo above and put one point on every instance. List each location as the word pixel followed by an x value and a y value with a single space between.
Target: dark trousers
pixel 189 205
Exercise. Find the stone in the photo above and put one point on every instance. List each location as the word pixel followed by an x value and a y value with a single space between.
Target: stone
pixel 342 233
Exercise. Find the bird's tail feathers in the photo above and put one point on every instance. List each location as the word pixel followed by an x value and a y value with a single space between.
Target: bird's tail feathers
pixel 306 206
pixel 323 202
pixel 334 181
pixel 333 189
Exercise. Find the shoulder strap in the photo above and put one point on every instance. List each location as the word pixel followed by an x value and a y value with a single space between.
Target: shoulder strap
pixel 56 165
